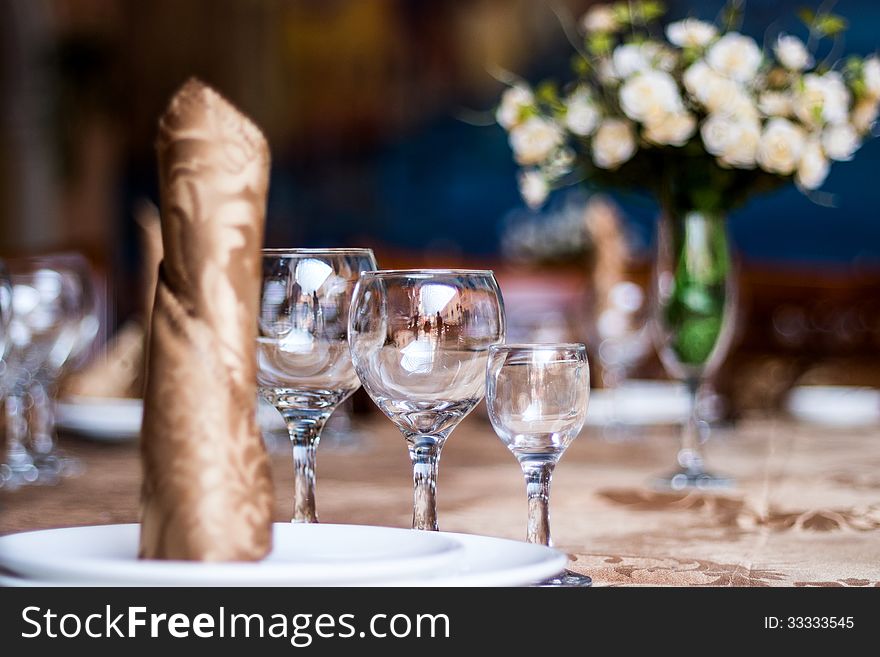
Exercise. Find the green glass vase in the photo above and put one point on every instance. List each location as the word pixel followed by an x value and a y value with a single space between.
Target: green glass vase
pixel 695 300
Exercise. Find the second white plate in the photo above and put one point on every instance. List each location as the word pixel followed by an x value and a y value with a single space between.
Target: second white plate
pixel 118 420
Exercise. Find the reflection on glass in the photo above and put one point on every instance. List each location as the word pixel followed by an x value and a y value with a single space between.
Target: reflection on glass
pixel 419 341
pixel 303 363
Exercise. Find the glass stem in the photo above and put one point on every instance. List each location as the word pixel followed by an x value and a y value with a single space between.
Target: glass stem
pixel 305 434
pixel 424 452
pixel 17 457
pixel 42 433
pixel 538 475
pixel 690 456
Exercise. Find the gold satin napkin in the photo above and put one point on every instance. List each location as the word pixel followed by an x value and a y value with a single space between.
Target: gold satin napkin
pixel 207 493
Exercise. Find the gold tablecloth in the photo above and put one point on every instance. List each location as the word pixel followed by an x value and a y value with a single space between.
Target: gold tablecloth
pixel 805 511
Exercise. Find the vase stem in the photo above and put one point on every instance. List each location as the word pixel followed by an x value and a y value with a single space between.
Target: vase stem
pixel 690 456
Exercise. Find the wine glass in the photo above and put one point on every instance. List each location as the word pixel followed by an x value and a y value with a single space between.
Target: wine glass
pixel 69 351
pixel 5 318
pixel 41 306
pixel 420 340
pixel 303 364
pixel 537 397
pixel 694 307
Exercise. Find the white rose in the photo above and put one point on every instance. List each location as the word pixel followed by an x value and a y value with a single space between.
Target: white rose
pixel 631 58
pixel 871 76
pixel 840 141
pixel 813 166
pixel 734 142
pixel 606 72
pixel 775 103
pixel 864 114
pixel 613 144
pixel 559 164
pixel 714 91
pixel 690 33
pixel 781 146
pixel 649 96
pixel 735 56
pixel 581 115
pixel 534 140
pixel 741 106
pixel 533 188
pixel 743 150
pixel 674 129
pixel 659 55
pixel 792 53
pixel 824 98
pixel 513 101
pixel 600 18
pixel 628 59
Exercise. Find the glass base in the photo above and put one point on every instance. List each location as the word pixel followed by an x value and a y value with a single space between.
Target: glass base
pixel 51 468
pixel 567 578
pixel 12 478
pixel 690 480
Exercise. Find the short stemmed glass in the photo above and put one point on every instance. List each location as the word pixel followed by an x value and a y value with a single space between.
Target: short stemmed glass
pixel 303 364
pixel 420 340
pixel 537 397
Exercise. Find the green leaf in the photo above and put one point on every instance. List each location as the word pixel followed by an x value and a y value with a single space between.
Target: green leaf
pixel 806 15
pixel 859 88
pixel 621 12
pixel 600 43
pixel 548 94
pixel 732 14
pixel 830 24
pixel 580 66
pixel 652 10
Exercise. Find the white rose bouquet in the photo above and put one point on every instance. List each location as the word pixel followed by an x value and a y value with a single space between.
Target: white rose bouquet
pixel 703 117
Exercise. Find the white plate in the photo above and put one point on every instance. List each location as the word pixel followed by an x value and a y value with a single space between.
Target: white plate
pixel 639 403
pixel 302 555
pixel 118 420
pixel 108 419
pixel 835 406
pixel 322 555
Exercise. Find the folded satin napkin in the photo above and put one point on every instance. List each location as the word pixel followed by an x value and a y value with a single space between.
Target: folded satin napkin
pixel 207 493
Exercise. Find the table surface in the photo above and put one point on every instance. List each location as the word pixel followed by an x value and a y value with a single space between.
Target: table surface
pixel 805 511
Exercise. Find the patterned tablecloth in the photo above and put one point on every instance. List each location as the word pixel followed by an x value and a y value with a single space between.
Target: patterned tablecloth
pixel 805 512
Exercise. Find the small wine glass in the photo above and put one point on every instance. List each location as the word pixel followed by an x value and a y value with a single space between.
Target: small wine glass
pixel 420 340
pixel 303 364
pixel 694 317
pixel 41 306
pixel 537 397
pixel 70 351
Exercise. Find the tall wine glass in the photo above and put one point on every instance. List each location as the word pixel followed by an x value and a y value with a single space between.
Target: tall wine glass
pixel 537 398
pixel 420 340
pixel 303 364
pixel 695 299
